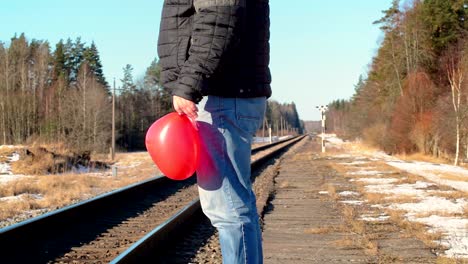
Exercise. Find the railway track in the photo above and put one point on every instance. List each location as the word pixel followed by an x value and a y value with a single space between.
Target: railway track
pixel 123 226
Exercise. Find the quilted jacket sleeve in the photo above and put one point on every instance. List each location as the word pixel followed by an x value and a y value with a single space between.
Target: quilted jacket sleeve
pixel 217 26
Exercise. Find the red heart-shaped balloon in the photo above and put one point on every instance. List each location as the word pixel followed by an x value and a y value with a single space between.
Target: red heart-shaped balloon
pixel 173 144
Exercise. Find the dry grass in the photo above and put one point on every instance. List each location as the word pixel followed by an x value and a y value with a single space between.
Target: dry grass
pixel 371 247
pixel 340 168
pixel 465 211
pixel 364 236
pixel 374 198
pixel 354 225
pixel 348 242
pixel 403 198
pixel 439 213
pixel 365 233
pixel 349 213
pixel 18 187
pixel 453 195
pixel 30 165
pixel 410 179
pixel 39 159
pixel 284 184
pixel 358 242
pixel 453 177
pixel 320 230
pixel 421 157
pixel 332 192
pixel 414 229
pixel 360 147
pixel 56 191
pixel 304 157
pixel 5 152
pixel 445 260
pixel 360 239
pixel 386 259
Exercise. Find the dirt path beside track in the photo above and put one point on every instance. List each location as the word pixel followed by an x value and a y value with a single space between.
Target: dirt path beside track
pixel 307 222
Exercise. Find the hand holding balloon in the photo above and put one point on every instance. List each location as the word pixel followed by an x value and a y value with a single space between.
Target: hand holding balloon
pixel 173 144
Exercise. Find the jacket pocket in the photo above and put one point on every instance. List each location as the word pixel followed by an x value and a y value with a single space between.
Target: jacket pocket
pixel 182 50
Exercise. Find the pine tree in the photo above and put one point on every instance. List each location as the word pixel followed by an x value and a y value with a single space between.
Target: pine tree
pixel 127 82
pixel 390 19
pixel 68 59
pixel 59 60
pixel 91 56
pixel 153 73
pixel 446 19
pixel 74 56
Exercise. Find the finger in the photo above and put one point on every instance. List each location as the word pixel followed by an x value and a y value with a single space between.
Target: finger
pixel 178 110
pixel 194 123
pixel 191 114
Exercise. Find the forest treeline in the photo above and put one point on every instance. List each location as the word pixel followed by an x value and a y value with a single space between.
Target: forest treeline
pixel 414 97
pixel 60 94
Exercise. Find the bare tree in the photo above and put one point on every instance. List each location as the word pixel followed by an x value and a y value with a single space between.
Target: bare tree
pixel 87 107
pixel 456 65
pixel 3 90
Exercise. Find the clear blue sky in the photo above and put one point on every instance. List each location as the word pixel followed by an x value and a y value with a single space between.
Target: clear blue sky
pixel 318 48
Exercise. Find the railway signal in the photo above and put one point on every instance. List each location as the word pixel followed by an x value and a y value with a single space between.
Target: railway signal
pixel 323 109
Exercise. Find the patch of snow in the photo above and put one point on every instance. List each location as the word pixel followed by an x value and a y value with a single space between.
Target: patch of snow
pixel 22 196
pixel 7 146
pixel 440 192
pixel 342 156
pixel 434 172
pixel 353 202
pixel 371 218
pixel 10 177
pixel 422 185
pixel 349 193
pixel 91 171
pixel 334 140
pixel 6 175
pixel 37 196
pixel 5 168
pixel 129 166
pixel 416 189
pixel 323 192
pixel 433 204
pixel 104 174
pixel 14 157
pixel 80 169
pixel 454 230
pixel 368 172
pixel 11 198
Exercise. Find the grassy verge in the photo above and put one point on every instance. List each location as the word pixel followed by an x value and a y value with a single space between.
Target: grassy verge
pixel 47 192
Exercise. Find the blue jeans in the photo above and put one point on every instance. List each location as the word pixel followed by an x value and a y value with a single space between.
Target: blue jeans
pixel 226 127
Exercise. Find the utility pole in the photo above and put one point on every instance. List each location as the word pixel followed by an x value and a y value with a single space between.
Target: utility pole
pixel 281 126
pixel 323 109
pixel 113 123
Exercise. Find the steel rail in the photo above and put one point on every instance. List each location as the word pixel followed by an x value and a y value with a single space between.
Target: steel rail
pixel 62 216
pixel 157 240
pixel 23 233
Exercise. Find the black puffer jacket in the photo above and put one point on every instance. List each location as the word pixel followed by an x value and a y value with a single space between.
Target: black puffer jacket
pixel 215 47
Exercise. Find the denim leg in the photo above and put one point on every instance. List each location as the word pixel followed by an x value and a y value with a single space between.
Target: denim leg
pixel 226 126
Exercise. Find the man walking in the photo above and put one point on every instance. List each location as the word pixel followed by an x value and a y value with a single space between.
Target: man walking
pixel 214 56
